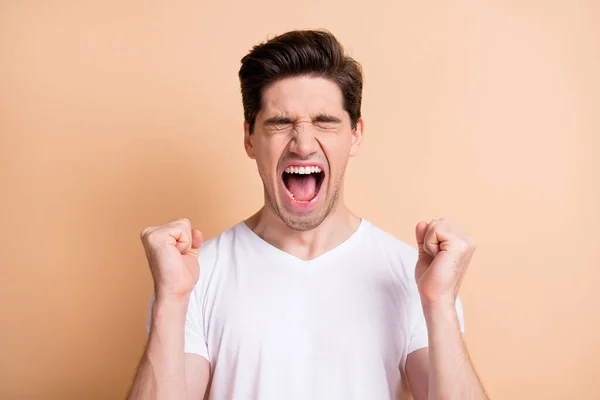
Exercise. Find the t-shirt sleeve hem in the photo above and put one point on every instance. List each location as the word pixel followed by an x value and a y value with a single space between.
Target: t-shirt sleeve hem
pixel 412 348
pixel 195 349
pixel 417 346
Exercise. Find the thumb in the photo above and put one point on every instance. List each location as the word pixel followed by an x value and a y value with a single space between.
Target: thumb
pixel 424 258
pixel 196 242
pixel 420 231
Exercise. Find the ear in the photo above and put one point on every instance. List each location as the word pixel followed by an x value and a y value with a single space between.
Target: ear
pixel 357 136
pixel 248 141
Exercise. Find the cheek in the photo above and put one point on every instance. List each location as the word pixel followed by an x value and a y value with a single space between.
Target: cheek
pixel 337 150
pixel 267 156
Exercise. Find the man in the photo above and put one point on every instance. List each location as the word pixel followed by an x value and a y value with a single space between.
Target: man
pixel 305 300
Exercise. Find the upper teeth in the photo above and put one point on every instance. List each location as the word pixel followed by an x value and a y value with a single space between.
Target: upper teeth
pixel 302 170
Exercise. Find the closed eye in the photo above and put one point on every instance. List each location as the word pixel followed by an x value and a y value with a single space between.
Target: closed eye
pixel 326 125
pixel 279 123
pixel 327 121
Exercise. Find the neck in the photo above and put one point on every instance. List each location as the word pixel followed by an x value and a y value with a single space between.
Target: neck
pixel 336 228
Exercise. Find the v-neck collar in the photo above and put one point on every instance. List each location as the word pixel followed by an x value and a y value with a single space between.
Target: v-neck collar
pixel 289 257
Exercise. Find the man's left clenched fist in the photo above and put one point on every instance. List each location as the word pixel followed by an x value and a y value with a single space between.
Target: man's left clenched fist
pixel 444 255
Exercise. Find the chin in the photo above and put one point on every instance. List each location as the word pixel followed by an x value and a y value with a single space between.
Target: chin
pixel 304 219
pixel 302 223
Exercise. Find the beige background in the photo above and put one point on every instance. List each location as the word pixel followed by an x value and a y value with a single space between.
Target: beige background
pixel 117 115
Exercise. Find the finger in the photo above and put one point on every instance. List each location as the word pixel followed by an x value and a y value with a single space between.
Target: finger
pixel 425 258
pixel 420 234
pixel 184 239
pixel 196 238
pixel 431 243
pixel 445 235
pixel 148 231
pixel 175 233
pixel 196 242
pixel 182 221
pixel 185 226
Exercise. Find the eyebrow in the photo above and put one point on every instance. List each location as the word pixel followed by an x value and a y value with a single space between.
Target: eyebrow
pixel 281 119
pixel 326 118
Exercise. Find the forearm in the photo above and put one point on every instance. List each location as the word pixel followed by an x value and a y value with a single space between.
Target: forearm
pixel 451 374
pixel 161 374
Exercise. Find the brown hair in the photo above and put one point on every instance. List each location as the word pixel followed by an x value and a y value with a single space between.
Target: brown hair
pixel 306 52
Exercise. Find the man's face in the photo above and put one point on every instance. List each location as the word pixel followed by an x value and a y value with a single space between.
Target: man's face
pixel 302 140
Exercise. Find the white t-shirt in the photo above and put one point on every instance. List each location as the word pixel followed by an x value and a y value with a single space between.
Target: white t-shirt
pixel 275 327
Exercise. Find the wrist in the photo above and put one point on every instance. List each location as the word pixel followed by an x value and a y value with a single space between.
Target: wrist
pixel 441 316
pixel 169 307
pixel 169 296
pixel 171 299
pixel 439 306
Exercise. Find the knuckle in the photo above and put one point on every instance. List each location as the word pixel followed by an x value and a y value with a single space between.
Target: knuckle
pixel 182 223
pixel 150 237
pixel 447 223
pixel 467 244
pixel 144 233
pixel 471 241
pixel 185 221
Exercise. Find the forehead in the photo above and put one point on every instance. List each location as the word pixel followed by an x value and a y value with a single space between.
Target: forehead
pixel 302 96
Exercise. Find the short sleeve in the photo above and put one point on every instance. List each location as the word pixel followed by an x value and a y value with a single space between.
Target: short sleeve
pixel 195 341
pixel 418 335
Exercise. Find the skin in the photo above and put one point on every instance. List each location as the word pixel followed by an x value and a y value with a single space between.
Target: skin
pixel 303 120
pixel 302 137
pixel 444 369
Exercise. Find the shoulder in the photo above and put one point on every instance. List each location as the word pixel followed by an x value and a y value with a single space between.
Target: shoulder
pixel 216 251
pixel 397 254
pixel 209 251
pixel 389 245
pixel 210 255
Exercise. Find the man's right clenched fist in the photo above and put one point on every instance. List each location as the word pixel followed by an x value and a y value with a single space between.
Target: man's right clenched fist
pixel 172 252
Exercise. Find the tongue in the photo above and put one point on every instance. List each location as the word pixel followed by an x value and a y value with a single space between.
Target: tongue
pixel 303 187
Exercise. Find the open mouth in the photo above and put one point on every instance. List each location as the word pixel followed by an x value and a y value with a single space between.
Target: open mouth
pixel 303 183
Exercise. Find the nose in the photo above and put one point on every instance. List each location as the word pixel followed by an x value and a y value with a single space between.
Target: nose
pixel 304 142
